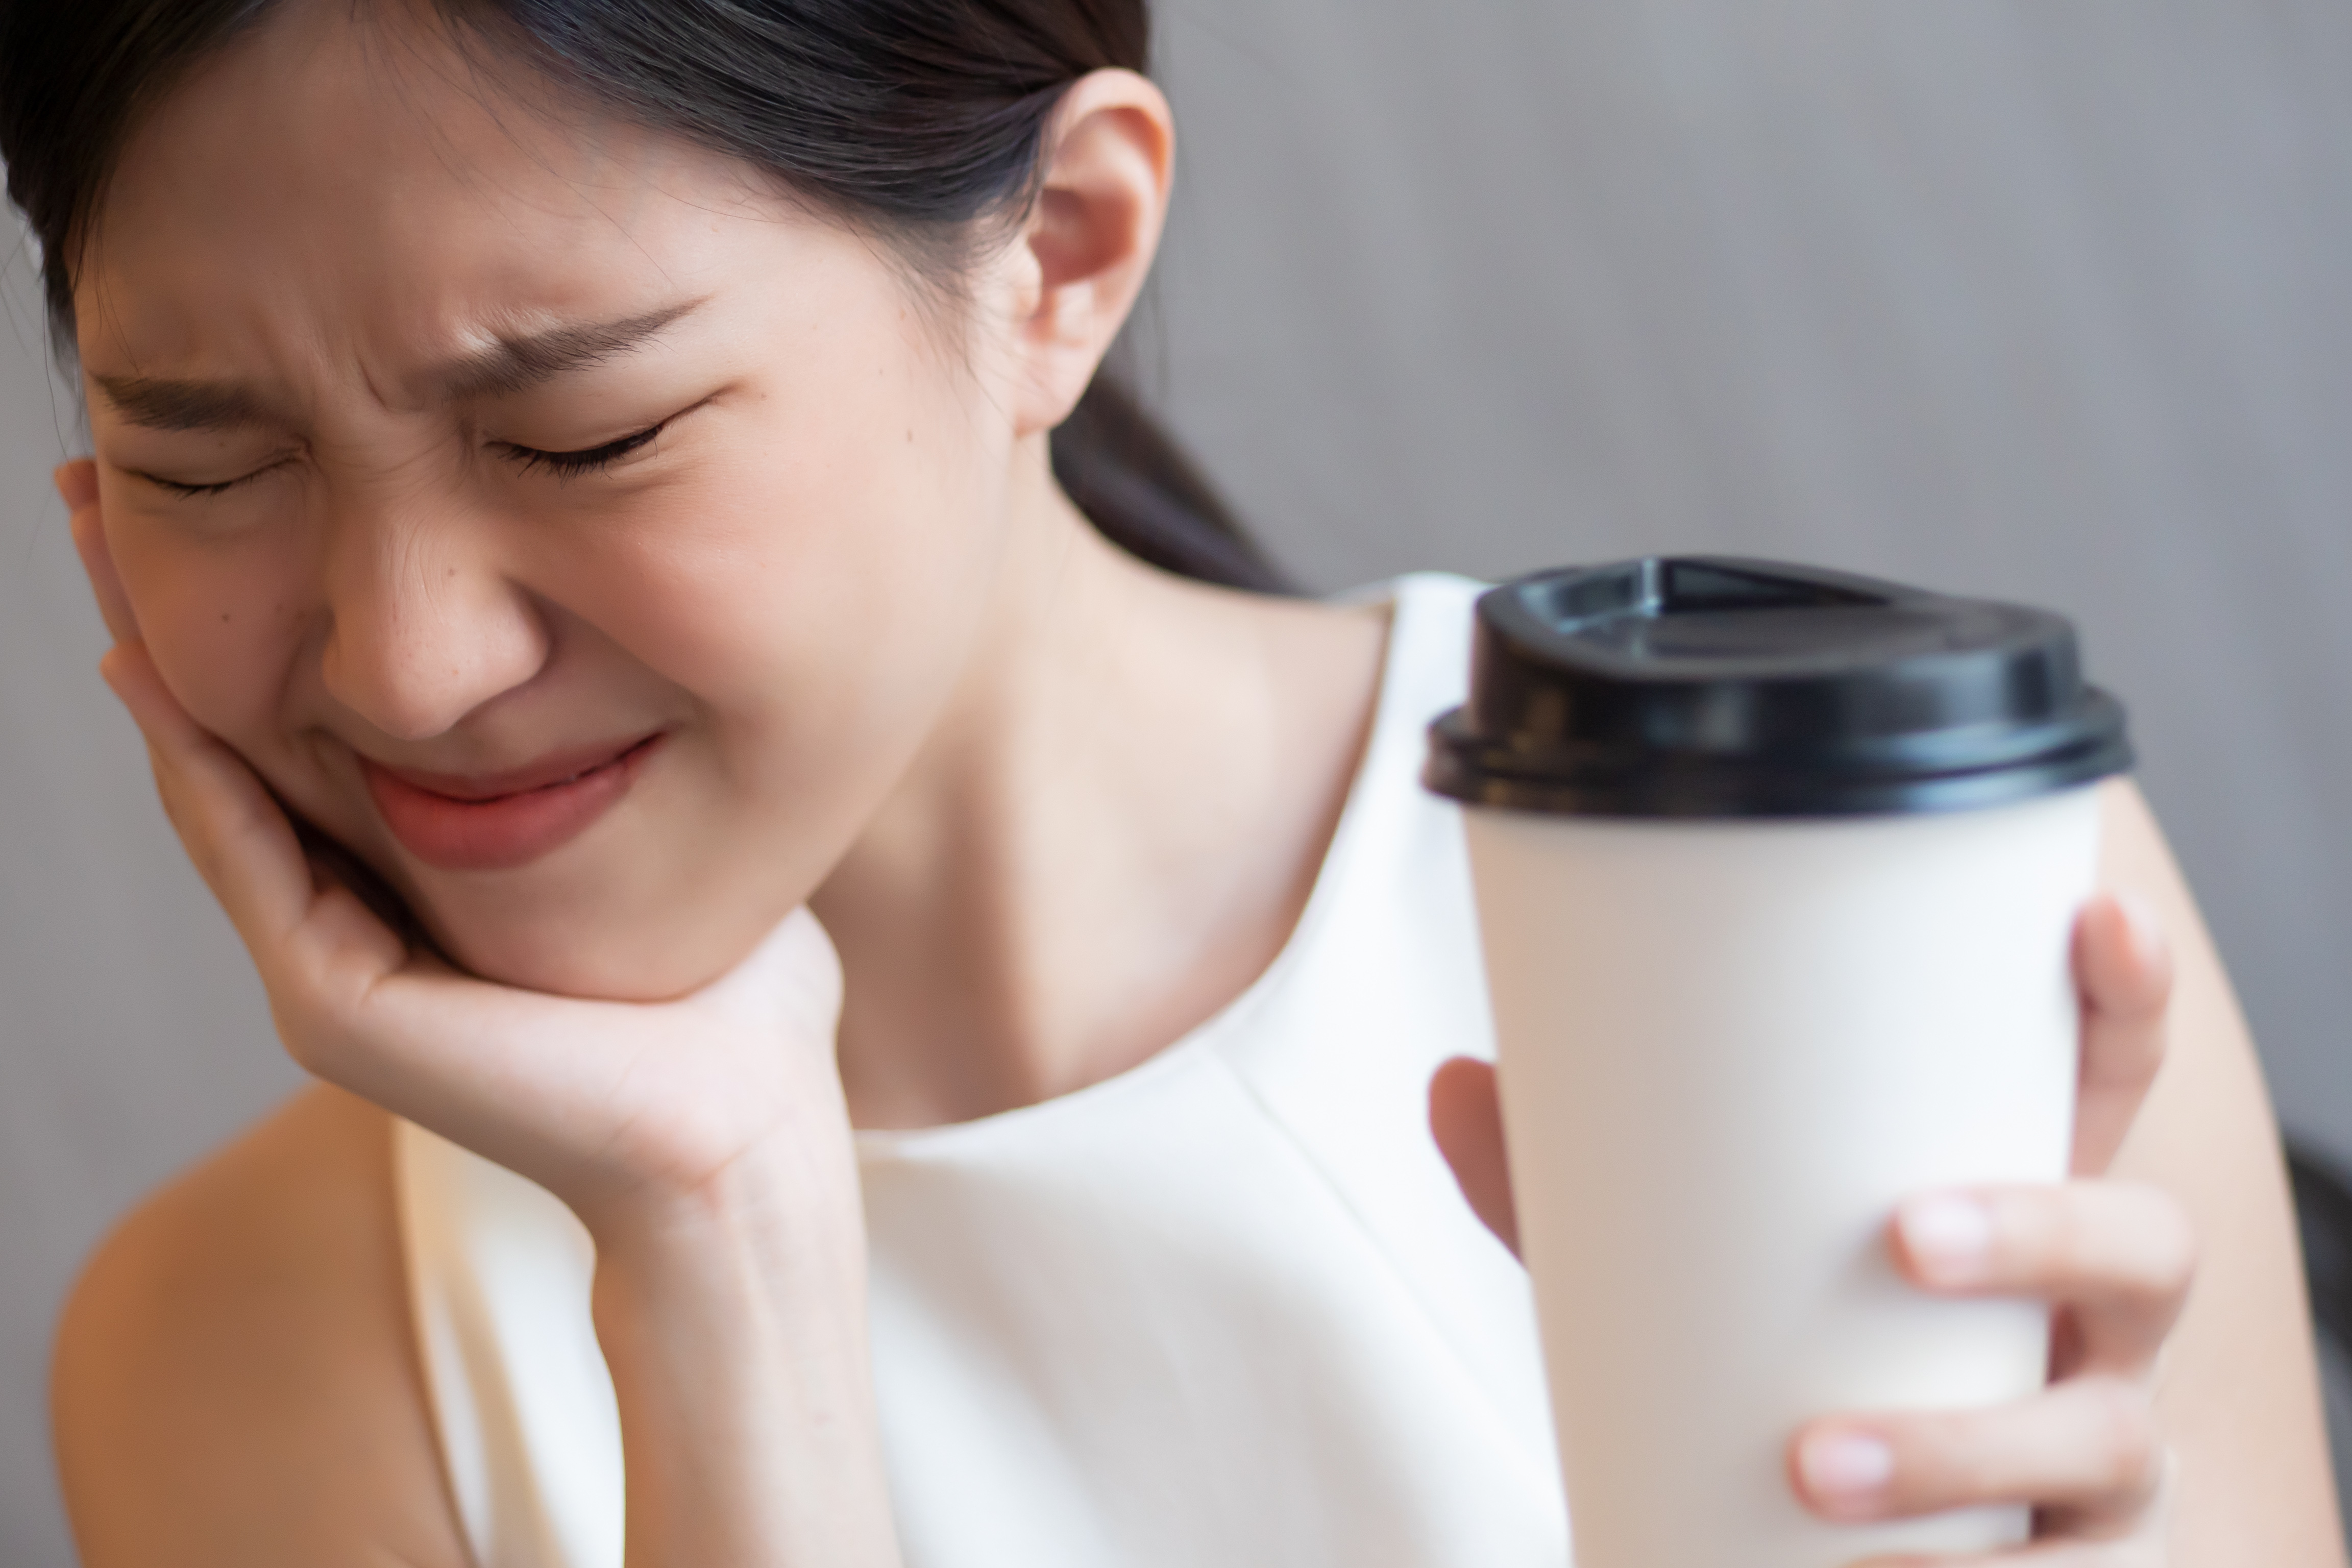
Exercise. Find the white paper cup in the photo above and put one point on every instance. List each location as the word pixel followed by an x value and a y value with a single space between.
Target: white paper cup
pixel 1727 1051
pixel 1729 1047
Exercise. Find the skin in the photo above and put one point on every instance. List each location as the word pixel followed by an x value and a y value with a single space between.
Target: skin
pixel 896 678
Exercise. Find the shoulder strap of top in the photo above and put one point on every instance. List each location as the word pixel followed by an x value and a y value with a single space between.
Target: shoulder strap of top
pixel 1428 666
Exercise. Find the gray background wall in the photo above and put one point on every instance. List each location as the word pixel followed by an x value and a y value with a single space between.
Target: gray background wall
pixel 2045 298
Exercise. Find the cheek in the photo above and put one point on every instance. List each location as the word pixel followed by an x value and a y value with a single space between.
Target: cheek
pixel 815 579
pixel 220 619
pixel 814 595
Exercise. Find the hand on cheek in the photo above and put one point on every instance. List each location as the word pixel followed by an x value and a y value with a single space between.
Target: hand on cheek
pixel 566 1092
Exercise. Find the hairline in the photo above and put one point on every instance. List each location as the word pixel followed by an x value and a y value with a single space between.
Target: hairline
pixel 935 263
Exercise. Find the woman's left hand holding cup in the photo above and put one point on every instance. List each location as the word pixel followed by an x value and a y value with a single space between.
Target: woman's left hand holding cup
pixel 2113 1259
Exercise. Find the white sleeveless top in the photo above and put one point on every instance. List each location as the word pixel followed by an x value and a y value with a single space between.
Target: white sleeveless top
pixel 1227 1308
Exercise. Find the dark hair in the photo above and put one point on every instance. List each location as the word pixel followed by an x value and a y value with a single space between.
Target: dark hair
pixel 920 118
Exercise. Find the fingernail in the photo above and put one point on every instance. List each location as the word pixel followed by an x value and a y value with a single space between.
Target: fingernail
pixel 1845 1465
pixel 1949 1239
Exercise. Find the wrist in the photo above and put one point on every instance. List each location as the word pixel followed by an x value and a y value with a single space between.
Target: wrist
pixel 733 1319
pixel 787 1210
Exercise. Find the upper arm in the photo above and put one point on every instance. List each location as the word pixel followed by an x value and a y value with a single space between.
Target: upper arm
pixel 234 1383
pixel 2239 1389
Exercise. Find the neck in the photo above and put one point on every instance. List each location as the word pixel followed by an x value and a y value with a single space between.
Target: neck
pixel 1110 835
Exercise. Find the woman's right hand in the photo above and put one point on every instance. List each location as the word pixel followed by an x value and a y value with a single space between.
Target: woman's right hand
pixel 704 1143
pixel 615 1107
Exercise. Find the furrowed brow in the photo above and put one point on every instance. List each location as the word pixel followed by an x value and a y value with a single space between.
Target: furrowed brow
pixel 509 365
pixel 183 405
pixel 519 364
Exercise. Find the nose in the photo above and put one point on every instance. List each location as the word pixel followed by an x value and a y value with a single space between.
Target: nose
pixel 426 625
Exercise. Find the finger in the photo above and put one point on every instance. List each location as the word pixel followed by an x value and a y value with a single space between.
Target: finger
pixel 88 529
pixel 795 974
pixel 1466 1118
pixel 2123 967
pixel 645 1094
pixel 232 829
pixel 2088 1451
pixel 2073 1552
pixel 2121 1256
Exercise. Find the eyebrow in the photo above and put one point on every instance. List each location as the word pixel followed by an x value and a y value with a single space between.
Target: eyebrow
pixel 513 364
pixel 183 405
pixel 509 365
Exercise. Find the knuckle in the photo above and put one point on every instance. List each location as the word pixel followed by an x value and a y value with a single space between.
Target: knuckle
pixel 2174 1243
pixel 2117 1241
pixel 2070 1233
pixel 2040 1233
pixel 303 1044
pixel 1947 1459
pixel 2163 1247
pixel 2130 1450
pixel 306 1028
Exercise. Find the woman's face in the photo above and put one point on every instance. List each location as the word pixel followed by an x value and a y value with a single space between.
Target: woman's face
pixel 546 509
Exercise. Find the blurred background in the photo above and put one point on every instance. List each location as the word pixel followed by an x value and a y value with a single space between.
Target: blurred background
pixel 2047 299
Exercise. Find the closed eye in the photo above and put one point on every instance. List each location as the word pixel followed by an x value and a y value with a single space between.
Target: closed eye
pixel 587 461
pixel 221 487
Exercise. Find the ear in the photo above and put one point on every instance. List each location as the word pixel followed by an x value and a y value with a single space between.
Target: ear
pixel 77 485
pixel 1083 254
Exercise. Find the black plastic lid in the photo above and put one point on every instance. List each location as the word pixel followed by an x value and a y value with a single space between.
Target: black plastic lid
pixel 1704 686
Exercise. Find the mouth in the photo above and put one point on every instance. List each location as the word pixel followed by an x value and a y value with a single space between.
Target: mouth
pixel 497 822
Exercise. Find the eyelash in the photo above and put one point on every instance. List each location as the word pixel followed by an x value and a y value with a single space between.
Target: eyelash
pixel 589 460
pixel 177 489
pixel 563 465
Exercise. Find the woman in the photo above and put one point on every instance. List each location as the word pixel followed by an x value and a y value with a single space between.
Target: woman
pixel 585 466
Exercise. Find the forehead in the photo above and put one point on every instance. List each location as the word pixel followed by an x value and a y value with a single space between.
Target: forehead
pixel 333 177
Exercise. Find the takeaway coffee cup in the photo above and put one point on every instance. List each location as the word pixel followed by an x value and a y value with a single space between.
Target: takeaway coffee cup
pixel 1777 872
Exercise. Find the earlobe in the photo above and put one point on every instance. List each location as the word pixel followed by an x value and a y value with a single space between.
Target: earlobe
pixel 1091 234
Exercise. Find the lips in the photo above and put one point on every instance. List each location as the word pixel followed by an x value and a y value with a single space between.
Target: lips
pixel 497 822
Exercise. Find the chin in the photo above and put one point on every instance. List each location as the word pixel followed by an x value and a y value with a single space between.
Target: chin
pixel 603 936
pixel 614 917
pixel 638 909
pixel 601 958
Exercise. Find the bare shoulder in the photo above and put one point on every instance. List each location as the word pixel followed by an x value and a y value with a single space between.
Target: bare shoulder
pixel 234 1381
pixel 2240 1391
